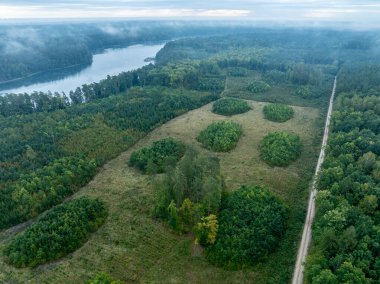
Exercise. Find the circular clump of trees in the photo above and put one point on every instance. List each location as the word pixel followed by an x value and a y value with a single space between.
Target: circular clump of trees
pixel 251 223
pixel 221 136
pixel 278 112
pixel 230 106
pixel 280 148
pixel 258 87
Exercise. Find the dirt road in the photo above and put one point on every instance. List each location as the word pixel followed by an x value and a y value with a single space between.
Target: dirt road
pixel 306 234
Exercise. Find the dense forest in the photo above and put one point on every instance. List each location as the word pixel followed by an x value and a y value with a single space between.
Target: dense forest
pixel 27 49
pixel 53 144
pixel 251 223
pixel 61 231
pixel 346 229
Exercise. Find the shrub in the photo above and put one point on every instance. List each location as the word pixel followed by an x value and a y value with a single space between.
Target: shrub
pixel 280 148
pixel 251 224
pixel 156 158
pixel 230 106
pixel 258 87
pixel 278 112
pixel 221 136
pixel 60 231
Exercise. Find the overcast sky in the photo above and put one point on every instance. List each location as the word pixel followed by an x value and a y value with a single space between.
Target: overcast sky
pixel 360 11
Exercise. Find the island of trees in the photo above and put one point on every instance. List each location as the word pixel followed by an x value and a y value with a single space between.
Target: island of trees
pixel 220 136
pixel 280 148
pixel 230 106
pixel 278 112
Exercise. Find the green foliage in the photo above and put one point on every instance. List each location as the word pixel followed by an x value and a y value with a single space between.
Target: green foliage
pixel 206 230
pixel 346 229
pixel 220 136
pixel 60 231
pixel 275 77
pixel 102 278
pixel 190 191
pixel 251 224
pixel 304 74
pixel 46 187
pixel 237 71
pixel 278 112
pixel 32 144
pixel 280 148
pixel 258 87
pixel 155 159
pixel 230 106
pixel 304 92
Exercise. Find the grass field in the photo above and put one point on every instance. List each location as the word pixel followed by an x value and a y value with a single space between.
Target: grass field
pixel 133 247
pixel 279 93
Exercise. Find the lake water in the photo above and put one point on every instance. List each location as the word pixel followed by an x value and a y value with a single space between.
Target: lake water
pixel 111 62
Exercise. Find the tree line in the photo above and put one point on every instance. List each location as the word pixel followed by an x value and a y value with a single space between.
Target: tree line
pixel 346 230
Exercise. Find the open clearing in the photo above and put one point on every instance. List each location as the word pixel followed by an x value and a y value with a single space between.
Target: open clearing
pixel 134 248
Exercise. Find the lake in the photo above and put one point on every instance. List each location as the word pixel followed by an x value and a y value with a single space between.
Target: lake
pixel 111 62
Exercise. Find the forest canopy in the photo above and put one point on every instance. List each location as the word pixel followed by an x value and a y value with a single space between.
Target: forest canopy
pixel 221 136
pixel 258 87
pixel 278 112
pixel 157 158
pixel 280 148
pixel 190 191
pixel 251 223
pixel 230 106
pixel 60 231
pixel 346 228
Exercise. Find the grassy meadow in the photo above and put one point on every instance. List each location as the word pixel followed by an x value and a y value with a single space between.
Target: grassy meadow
pixel 135 248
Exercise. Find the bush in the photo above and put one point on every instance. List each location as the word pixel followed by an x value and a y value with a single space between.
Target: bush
pixel 60 231
pixel 251 224
pixel 258 87
pixel 230 106
pixel 158 157
pixel 278 112
pixel 221 136
pixel 280 148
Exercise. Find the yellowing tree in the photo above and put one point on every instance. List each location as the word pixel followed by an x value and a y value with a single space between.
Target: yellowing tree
pixel 206 230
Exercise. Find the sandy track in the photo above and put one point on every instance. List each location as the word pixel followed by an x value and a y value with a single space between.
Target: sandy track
pixel 306 234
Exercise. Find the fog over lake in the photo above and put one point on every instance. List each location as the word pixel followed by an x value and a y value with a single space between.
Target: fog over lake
pixel 111 62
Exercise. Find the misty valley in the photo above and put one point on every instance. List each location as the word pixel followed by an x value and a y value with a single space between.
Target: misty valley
pixel 189 152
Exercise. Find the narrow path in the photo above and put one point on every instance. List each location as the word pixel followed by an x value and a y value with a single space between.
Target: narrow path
pixel 306 234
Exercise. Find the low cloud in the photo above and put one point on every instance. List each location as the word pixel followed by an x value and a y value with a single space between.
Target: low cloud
pixel 329 13
pixel 362 12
